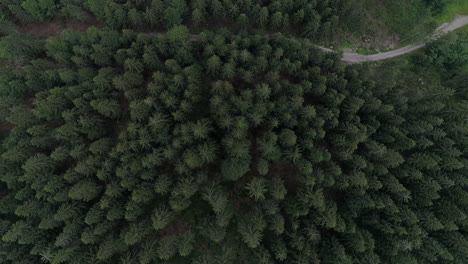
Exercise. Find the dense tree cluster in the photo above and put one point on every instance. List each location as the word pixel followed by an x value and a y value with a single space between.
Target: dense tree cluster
pixel 317 19
pixel 127 148
pixel 438 6
pixel 449 55
pixel 309 18
pixel 31 11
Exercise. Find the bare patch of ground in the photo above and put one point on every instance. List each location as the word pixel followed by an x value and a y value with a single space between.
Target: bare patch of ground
pixel 377 35
pixel 458 22
pixel 381 39
pixel 55 27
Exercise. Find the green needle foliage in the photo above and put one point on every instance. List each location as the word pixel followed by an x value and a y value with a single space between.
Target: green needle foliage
pixel 124 147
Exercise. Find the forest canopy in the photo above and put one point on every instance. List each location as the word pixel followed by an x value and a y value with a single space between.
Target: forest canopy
pixel 226 146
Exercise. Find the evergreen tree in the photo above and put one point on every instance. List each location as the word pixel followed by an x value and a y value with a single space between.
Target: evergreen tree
pixel 221 148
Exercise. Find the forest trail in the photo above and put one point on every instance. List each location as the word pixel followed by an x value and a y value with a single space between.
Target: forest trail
pixel 54 28
pixel 351 57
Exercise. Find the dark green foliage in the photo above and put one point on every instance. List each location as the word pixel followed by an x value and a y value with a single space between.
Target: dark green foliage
pixel 437 6
pixel 7 27
pixel 224 148
pixel 298 16
pixel 40 9
pixel 234 169
pixel 84 191
pixel 450 54
pixel 20 47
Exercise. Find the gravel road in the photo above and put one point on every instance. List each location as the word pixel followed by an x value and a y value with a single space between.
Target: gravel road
pixel 351 57
pixel 53 28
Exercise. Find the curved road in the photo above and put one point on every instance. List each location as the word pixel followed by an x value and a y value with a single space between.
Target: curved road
pixel 351 57
pixel 348 57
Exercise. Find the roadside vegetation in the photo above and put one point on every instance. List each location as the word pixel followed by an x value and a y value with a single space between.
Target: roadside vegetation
pixel 388 25
pixel 453 8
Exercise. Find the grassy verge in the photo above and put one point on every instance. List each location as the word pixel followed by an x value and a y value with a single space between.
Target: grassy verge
pixel 462 29
pixel 456 7
pixel 411 20
pixel 404 17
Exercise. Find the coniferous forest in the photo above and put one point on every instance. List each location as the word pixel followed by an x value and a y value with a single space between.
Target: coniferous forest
pixel 216 132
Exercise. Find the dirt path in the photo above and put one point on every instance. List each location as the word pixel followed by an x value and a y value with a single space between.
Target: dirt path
pixel 54 28
pixel 351 57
